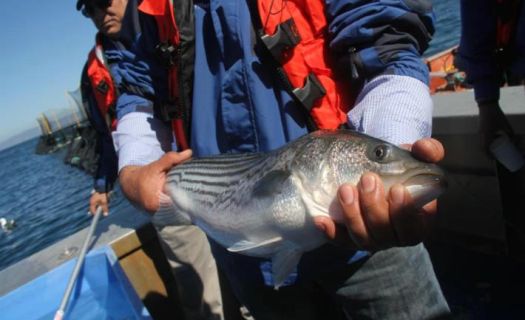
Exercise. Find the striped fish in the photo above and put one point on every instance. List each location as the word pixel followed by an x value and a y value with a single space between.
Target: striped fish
pixel 262 204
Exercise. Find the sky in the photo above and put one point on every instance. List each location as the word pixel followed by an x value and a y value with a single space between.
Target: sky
pixel 44 47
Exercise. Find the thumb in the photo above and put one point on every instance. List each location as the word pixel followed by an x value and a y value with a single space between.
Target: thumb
pixel 170 159
pixel 429 150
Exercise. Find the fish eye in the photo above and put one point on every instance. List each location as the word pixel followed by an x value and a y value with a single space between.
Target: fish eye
pixel 380 152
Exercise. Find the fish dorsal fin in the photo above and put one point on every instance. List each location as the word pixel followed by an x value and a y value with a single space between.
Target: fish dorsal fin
pixel 270 184
pixel 283 263
pixel 245 245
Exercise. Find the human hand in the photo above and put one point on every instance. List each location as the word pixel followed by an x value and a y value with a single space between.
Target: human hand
pixel 376 221
pixel 142 185
pixel 492 122
pixel 99 200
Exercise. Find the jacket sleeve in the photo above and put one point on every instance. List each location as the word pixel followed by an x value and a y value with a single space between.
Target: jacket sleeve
pixel 138 73
pixel 384 37
pixel 107 170
pixel 477 46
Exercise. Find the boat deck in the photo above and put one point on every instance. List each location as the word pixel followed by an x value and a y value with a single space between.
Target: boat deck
pixel 478 246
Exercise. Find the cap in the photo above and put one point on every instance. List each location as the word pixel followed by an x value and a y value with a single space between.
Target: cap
pixel 80 3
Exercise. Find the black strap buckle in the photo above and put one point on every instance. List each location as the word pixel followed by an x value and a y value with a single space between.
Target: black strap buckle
pixel 311 91
pixel 167 53
pixel 103 87
pixel 170 110
pixel 285 37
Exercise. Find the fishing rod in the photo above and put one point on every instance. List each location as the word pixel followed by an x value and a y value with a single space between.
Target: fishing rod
pixel 60 312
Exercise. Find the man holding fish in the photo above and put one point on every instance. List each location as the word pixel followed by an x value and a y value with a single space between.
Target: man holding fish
pixel 186 247
pixel 265 74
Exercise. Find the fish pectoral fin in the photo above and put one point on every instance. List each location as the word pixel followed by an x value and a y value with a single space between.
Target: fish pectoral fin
pixel 245 245
pixel 168 211
pixel 284 263
pixel 315 209
pixel 270 184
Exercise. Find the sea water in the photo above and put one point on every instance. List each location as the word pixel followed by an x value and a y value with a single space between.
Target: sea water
pixel 47 198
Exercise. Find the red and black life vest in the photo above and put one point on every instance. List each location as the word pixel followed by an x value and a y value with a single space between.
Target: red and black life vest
pixel 172 50
pixel 102 86
pixel 294 32
pixel 507 12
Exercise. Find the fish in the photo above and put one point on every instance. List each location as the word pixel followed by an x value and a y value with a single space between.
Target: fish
pixel 263 204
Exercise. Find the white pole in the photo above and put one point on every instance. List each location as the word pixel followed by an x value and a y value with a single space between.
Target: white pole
pixel 60 312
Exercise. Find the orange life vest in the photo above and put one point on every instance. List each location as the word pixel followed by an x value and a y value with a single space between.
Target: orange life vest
pixel 307 62
pixel 102 85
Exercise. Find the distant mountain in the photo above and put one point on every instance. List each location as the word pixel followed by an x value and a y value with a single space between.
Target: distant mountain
pixel 20 137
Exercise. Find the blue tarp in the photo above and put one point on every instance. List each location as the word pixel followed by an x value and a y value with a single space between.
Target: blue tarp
pixel 102 291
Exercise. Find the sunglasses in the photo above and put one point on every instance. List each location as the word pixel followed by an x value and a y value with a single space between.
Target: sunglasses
pixel 90 6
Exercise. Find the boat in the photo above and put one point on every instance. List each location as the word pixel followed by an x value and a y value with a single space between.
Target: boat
pixel 444 76
pixel 102 292
pixel 125 255
pixel 477 246
pixel 77 137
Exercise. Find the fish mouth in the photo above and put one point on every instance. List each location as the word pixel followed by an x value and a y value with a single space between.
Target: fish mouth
pixel 426 186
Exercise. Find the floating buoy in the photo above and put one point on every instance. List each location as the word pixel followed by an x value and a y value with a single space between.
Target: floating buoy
pixel 7 225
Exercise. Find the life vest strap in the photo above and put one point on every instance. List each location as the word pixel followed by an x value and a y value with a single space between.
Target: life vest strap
pixel 103 86
pixel 168 53
pixel 285 38
pixel 170 110
pixel 310 92
pixel 178 132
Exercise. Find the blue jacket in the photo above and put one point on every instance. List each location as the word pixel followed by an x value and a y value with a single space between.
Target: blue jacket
pixel 238 105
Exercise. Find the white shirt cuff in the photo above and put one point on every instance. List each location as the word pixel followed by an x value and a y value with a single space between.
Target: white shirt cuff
pixel 394 108
pixel 138 139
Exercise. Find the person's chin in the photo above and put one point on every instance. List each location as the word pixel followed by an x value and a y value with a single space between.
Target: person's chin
pixel 111 31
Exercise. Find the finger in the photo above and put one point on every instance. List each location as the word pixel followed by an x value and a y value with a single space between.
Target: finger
pixel 375 210
pixel 105 209
pixel 430 209
pixel 407 222
pixel 349 200
pixel 170 159
pixel 429 213
pixel 92 208
pixel 93 204
pixel 429 150
pixel 336 233
pixel 326 225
